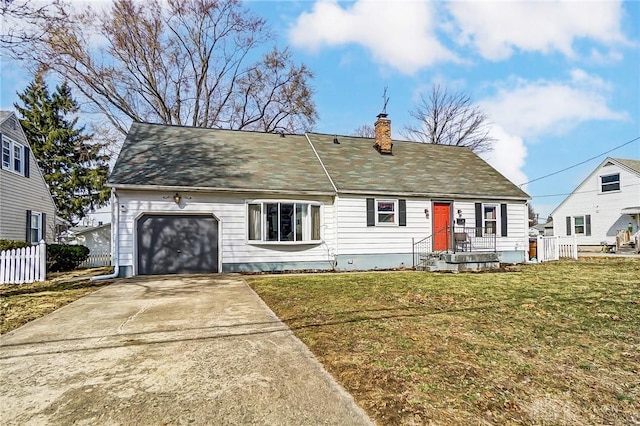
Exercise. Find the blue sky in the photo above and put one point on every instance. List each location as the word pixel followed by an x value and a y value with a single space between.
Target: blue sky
pixel 560 80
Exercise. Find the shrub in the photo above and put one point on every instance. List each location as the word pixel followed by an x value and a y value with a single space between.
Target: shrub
pixel 64 257
pixel 12 244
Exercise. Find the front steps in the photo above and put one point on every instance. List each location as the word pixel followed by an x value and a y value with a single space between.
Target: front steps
pixel 459 262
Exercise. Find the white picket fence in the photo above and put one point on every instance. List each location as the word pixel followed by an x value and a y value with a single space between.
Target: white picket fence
pixel 24 265
pixel 553 248
pixel 97 258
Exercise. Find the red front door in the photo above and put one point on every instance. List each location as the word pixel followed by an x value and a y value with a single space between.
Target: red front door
pixel 441 220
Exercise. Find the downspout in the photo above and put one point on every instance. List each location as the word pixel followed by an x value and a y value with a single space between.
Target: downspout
pixel 335 189
pixel 114 238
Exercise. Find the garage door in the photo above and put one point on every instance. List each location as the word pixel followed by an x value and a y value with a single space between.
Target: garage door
pixel 170 244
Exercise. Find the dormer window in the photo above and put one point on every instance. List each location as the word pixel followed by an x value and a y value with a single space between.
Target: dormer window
pixel 609 183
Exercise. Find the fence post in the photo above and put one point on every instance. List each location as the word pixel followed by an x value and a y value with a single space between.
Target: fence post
pixel 540 249
pixel 42 273
pixel 574 247
pixel 413 252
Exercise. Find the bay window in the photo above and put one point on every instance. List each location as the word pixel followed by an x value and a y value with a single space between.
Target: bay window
pixel 279 221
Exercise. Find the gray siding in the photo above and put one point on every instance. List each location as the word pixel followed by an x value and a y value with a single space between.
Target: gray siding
pixel 19 194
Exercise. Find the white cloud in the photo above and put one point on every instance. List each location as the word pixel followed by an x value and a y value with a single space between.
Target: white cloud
pixel 495 28
pixel 508 155
pixel 530 109
pixel 522 110
pixel 399 34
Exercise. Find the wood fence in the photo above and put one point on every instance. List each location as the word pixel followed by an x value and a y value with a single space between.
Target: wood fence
pixel 23 265
pixel 553 248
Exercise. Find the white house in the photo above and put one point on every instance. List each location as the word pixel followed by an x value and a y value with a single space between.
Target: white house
pixel 27 211
pixel 606 202
pixel 204 200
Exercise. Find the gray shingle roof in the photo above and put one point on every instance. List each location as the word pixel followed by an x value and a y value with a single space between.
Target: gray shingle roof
pixel 4 114
pixel 632 164
pixel 426 169
pixel 162 155
pixel 159 155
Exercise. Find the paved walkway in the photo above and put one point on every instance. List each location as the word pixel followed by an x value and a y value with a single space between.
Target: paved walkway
pixel 167 350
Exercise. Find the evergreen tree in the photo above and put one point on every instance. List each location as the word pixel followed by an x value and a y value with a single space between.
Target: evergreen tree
pixel 73 164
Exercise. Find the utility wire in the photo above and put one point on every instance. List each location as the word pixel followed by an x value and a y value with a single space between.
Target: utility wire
pixel 581 163
pixel 580 192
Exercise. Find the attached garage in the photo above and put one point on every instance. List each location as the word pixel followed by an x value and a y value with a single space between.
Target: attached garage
pixel 177 244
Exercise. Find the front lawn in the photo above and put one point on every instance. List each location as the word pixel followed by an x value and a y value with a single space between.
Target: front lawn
pixel 554 343
pixel 21 303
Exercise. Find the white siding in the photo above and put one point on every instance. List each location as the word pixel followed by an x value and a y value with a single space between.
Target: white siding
pixel 19 194
pixel 517 223
pixel 232 215
pixel 355 237
pixel 604 208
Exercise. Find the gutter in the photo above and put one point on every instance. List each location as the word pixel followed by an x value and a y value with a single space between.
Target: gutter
pixel 114 239
pixel 172 188
pixel 432 195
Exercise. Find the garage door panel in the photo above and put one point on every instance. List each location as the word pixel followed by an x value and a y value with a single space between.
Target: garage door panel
pixel 169 244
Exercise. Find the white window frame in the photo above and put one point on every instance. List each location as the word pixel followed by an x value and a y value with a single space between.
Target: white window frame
pixel 395 212
pixel 12 146
pixel 259 235
pixel 603 184
pixel 38 228
pixel 574 225
pixel 496 220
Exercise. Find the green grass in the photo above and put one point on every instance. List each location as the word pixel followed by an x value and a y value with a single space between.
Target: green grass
pixel 554 343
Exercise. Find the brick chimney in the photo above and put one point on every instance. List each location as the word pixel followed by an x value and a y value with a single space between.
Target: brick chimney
pixel 383 134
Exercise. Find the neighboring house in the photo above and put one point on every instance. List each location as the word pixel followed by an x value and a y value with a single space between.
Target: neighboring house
pixel 203 200
pixel 606 202
pixel 98 217
pixel 96 238
pixel 27 211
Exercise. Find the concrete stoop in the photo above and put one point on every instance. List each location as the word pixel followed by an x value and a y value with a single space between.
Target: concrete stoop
pixel 460 262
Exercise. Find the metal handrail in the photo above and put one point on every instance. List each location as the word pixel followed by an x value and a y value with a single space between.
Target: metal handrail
pixel 477 239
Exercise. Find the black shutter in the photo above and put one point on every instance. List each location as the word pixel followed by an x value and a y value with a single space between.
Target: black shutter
pixel 27 157
pixel 28 230
pixel 503 219
pixel 587 225
pixel 44 227
pixel 568 225
pixel 402 206
pixel 478 219
pixel 371 212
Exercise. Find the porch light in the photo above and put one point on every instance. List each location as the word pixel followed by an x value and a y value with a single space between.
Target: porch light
pixel 176 197
pixel 426 213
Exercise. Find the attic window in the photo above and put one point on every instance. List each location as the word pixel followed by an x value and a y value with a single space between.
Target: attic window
pixel 610 183
pixel 13 156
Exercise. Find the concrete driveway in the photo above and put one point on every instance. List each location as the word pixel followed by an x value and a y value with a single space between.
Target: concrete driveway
pixel 167 350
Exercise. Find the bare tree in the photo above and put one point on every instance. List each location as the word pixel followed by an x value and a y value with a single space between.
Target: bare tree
pixel 450 119
pixel 185 62
pixel 364 131
pixel 21 20
pixel 533 216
